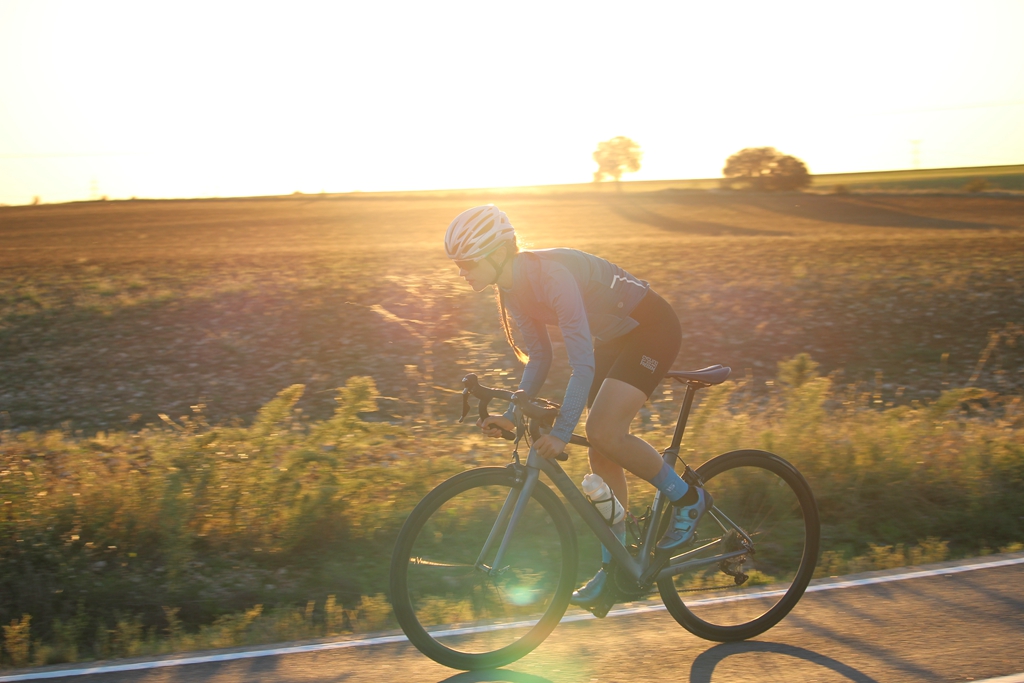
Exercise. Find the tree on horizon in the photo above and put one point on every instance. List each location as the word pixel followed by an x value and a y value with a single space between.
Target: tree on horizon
pixel 615 157
pixel 764 168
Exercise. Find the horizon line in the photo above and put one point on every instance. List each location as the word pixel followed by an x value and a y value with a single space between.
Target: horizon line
pixel 508 189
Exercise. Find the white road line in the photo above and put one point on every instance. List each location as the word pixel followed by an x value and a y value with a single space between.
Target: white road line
pixel 382 640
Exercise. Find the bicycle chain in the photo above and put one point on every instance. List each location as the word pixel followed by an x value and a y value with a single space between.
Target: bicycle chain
pixel 712 588
pixel 631 592
pixel 701 590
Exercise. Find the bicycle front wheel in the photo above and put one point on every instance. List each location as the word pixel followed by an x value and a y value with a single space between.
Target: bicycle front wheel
pixel 452 602
pixel 764 497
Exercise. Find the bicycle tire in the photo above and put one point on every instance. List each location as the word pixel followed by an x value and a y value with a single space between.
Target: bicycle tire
pixel 767 497
pixel 438 593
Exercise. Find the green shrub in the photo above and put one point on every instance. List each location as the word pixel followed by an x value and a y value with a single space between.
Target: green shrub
pixel 17 637
pixel 283 530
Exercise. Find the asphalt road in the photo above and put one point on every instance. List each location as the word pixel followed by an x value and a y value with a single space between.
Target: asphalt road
pixel 959 626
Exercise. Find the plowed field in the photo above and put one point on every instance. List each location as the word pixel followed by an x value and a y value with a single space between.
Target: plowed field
pixel 114 312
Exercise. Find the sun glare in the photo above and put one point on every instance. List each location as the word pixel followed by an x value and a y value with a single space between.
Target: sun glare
pixel 125 99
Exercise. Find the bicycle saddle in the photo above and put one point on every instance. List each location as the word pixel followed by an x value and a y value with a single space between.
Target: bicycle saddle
pixel 715 374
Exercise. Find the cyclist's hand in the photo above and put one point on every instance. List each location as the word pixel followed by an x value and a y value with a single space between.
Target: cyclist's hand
pixel 549 446
pixel 493 425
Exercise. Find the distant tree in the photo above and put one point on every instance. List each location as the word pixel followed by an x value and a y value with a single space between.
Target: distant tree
pixel 765 168
pixel 750 164
pixel 789 174
pixel 615 157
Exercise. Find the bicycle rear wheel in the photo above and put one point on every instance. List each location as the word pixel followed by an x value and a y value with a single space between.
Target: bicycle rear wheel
pixel 450 605
pixel 769 500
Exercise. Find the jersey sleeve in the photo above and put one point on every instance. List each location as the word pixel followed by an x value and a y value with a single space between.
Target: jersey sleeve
pixel 564 296
pixel 538 348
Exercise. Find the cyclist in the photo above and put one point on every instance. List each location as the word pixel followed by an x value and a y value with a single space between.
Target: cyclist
pixel 636 337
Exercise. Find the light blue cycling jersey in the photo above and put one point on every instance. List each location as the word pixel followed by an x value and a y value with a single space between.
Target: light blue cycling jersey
pixel 585 296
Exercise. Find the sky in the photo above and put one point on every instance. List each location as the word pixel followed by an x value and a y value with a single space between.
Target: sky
pixel 198 99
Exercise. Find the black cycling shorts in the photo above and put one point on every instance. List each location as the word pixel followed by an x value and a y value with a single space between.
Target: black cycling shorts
pixel 642 357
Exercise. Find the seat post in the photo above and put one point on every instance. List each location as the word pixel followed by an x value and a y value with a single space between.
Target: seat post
pixel 684 413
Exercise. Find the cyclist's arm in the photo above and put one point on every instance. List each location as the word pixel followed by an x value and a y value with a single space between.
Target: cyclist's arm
pixel 563 295
pixel 538 348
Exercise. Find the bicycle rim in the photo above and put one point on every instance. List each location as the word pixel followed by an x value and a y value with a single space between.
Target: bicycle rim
pixel 447 601
pixel 766 498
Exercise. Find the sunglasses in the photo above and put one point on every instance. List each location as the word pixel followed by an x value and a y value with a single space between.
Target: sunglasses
pixel 467 265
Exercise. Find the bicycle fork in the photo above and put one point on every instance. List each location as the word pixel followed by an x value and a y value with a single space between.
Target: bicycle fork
pixel 513 507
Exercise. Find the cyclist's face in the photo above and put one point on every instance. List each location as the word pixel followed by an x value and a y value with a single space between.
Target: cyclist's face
pixel 479 273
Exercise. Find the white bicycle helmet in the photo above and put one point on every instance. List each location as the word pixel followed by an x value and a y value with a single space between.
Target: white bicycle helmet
pixel 477 232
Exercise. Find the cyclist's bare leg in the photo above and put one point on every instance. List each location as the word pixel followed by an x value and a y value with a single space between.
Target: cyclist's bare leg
pixel 608 420
pixel 612 447
pixel 608 429
pixel 612 473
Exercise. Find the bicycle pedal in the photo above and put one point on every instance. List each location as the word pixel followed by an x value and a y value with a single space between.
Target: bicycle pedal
pixel 603 603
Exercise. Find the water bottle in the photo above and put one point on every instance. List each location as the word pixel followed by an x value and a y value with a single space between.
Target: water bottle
pixel 603 499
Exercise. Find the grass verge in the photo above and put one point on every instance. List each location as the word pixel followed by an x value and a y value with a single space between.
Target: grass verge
pixel 191 535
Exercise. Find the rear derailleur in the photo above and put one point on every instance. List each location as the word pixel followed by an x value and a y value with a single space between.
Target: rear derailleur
pixel 733 566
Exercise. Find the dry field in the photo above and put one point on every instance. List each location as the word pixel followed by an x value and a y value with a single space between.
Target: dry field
pixel 280 526
pixel 114 312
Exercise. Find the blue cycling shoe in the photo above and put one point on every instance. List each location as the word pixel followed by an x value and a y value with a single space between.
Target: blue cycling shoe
pixel 684 522
pixel 588 595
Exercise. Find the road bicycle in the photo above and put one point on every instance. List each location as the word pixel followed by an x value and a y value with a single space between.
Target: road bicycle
pixel 484 566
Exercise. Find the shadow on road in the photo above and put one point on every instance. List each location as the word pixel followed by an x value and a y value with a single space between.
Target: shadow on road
pixel 704 666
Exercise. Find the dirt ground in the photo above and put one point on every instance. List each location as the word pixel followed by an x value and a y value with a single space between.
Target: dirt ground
pixel 114 312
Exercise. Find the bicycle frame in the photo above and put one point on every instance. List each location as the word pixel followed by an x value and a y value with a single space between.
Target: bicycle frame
pixel 649 565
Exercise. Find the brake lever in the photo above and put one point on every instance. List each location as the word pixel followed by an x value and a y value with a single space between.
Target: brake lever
pixel 468 382
pixel 482 410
